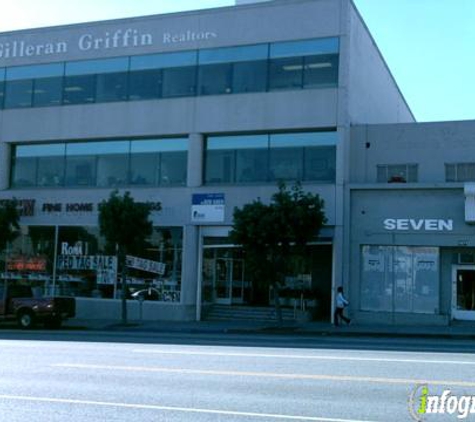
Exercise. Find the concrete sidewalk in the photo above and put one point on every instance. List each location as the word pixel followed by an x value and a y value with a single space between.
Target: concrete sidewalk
pixel 461 330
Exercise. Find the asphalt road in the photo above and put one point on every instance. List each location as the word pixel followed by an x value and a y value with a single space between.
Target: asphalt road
pixel 210 377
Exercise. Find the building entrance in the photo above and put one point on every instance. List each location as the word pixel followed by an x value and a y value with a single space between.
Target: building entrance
pixel 463 287
pixel 224 278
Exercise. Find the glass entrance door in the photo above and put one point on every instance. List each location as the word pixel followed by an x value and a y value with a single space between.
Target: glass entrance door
pixel 223 276
pixel 463 297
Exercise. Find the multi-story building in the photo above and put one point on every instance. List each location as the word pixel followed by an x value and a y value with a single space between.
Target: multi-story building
pixel 201 112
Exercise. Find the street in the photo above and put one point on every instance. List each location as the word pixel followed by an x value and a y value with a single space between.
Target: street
pixel 216 377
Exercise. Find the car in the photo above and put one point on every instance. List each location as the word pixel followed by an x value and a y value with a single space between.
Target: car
pixel 150 293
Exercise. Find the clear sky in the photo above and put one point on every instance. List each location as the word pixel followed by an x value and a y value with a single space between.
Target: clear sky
pixel 429 45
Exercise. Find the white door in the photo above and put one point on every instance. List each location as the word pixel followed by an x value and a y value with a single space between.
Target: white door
pixel 463 292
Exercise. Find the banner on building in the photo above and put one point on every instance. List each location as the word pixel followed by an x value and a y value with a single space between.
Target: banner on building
pixel 145 265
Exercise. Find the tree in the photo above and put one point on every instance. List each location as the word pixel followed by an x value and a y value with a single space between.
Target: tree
pixel 126 226
pixel 9 222
pixel 270 233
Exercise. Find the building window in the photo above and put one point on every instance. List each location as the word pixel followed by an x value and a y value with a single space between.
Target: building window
pixel 159 162
pixel 232 69
pixel 305 64
pixel 400 279
pixel 32 259
pixel 240 159
pixel 38 165
pixel 104 163
pixel 397 173
pixel 460 172
pixel 2 86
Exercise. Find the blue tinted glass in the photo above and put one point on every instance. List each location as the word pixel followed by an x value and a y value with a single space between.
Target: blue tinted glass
pixel 237 142
pixel 160 61
pixel 159 145
pixel 32 72
pixel 119 64
pixel 40 150
pixel 2 74
pixel 304 48
pixel 95 148
pixel 303 139
pixel 233 54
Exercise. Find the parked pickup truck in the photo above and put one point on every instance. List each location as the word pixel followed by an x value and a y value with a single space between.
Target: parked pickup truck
pixel 17 302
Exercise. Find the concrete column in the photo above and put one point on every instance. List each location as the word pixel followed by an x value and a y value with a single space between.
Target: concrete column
pixel 4 165
pixel 195 160
pixel 190 273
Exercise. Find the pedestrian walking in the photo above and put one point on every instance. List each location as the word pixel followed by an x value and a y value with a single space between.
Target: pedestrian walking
pixel 341 304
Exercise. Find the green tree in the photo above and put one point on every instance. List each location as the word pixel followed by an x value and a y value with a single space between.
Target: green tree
pixel 9 222
pixel 125 225
pixel 270 233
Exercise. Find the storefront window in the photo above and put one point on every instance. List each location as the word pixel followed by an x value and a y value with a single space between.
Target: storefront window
pixel 400 279
pixel 85 269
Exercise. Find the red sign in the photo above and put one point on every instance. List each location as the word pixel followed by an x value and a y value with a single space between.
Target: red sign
pixel 23 263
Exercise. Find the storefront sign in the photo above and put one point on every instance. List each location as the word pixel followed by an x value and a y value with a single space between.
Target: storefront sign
pixel 99 41
pixel 87 262
pixel 207 208
pixel 421 224
pixel 23 263
pixel 79 248
pixel 26 207
pixel 68 207
pixel 145 265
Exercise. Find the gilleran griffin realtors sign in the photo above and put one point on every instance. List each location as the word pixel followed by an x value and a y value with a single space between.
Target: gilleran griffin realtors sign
pixel 106 40
pixel 418 224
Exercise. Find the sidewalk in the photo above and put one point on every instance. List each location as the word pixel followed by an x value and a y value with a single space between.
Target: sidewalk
pixel 460 330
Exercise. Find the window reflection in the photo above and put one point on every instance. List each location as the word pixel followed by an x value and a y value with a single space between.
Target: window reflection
pixel 309 156
pixel 254 68
pixel 105 163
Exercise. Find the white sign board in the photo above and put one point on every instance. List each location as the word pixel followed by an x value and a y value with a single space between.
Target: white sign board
pixel 207 208
pixel 145 265
pixel 418 224
pixel 87 262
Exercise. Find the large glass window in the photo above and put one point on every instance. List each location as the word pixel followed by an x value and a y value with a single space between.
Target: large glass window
pixel 18 93
pixel 255 68
pixel 2 86
pixel 400 279
pixel 24 167
pixel 309 156
pixel 51 165
pixel 80 165
pixel 112 162
pixel 103 163
pixel 233 69
pixel 163 75
pixel 286 157
pixel 303 64
pixel 31 260
pixel 96 80
pixel 38 165
pixel 158 162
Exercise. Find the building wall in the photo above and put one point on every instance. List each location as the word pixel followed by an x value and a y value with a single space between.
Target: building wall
pixel 430 145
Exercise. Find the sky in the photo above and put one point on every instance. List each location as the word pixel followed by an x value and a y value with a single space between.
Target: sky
pixel 429 45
